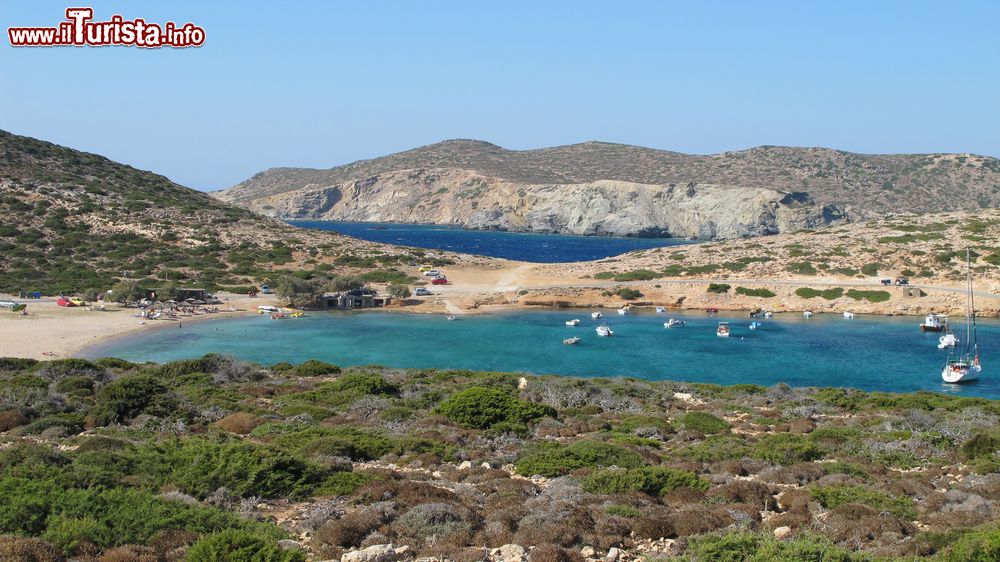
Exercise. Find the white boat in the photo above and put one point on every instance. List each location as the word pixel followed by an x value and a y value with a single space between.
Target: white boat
pixel 595 315
pixel 755 325
pixel 451 317
pixel 573 322
pixel 572 341
pixel 768 314
pixel 605 331
pixel 807 314
pixel 934 323
pixel 965 367
pixel 849 315
pixel 673 323
pixel 723 330
pixel 660 310
pixel 947 340
pixel 268 308
pixel 622 311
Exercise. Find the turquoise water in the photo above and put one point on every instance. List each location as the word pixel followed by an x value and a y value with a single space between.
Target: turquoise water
pixel 869 352
pixel 545 248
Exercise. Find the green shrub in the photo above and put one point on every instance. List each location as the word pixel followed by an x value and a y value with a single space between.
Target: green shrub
pixel 362 384
pixel 981 445
pixel 703 422
pixel 634 275
pixel 831 497
pixel 751 547
pixel 763 293
pixel 974 546
pixel 801 268
pixel 315 368
pixel 344 483
pixel 234 545
pixel 870 269
pixel 624 511
pixel 828 294
pixel 551 459
pixel 356 444
pixel 787 448
pixel 482 407
pixel 718 288
pixel 652 480
pixel 124 399
pixel 629 294
pixel 870 296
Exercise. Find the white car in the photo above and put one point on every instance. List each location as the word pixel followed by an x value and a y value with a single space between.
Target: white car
pixel 7 303
pixel 421 292
pixel 432 273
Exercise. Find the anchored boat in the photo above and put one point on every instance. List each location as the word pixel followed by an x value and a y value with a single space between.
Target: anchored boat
pixel 573 322
pixel 572 341
pixel 965 367
pixel 604 330
pixel 723 330
pixel 673 323
pixel 934 323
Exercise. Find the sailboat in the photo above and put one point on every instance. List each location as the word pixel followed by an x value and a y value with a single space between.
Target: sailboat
pixel 965 367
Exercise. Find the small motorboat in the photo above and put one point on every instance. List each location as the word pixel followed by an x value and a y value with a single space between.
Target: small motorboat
pixel 934 323
pixel 267 308
pixel 723 330
pixel 660 310
pixel 849 315
pixel 623 311
pixel 595 315
pixel 278 316
pixel 572 341
pixel 807 314
pixel 768 314
pixel 712 310
pixel 755 325
pixel 451 317
pixel 947 340
pixel 673 323
pixel 299 314
pixel 605 331
pixel 573 322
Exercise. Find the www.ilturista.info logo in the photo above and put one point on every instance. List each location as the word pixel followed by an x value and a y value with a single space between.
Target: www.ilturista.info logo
pixel 78 30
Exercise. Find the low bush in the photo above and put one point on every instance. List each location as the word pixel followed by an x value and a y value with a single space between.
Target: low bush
pixel 763 293
pixel 237 545
pixel 870 296
pixel 703 422
pixel 551 459
pixel 786 449
pixel 651 480
pixel 828 294
pixel 835 496
pixel 801 268
pixel 122 400
pixel 315 368
pixel 718 288
pixel 751 547
pixel 483 407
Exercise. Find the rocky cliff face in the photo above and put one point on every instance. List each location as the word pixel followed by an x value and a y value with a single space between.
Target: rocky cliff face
pixel 603 207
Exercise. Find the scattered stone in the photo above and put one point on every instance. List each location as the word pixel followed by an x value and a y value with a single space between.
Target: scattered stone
pixel 375 553
pixel 508 553
pixel 289 544
pixel 522 383
pixel 613 555
pixel 437 474
pixel 782 532
pixel 587 552
pixel 466 465
pixel 486 465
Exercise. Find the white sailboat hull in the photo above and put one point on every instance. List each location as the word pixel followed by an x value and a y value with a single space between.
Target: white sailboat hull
pixel 954 374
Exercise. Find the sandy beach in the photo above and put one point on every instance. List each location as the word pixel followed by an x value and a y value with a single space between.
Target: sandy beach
pixel 50 331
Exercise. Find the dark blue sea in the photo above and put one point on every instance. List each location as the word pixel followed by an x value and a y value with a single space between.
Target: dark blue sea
pixel 508 245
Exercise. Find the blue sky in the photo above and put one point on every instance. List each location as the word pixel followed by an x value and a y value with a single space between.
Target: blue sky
pixel 324 83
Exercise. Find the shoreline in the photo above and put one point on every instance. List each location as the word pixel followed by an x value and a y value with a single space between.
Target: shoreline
pixel 51 332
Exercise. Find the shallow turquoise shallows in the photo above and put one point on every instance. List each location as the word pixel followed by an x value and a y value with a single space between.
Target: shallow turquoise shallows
pixel 868 352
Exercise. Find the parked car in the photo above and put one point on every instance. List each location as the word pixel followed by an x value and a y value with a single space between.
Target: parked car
pixel 7 303
pixel 421 292
pixel 265 289
pixel 902 281
pixel 887 281
pixel 63 301
pixel 77 301
pixel 424 268
pixel 432 273
pixel 440 280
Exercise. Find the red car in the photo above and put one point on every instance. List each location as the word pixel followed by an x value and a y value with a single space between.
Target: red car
pixel 63 301
pixel 439 281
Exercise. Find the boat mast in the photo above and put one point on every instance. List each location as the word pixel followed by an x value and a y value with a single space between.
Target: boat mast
pixel 970 312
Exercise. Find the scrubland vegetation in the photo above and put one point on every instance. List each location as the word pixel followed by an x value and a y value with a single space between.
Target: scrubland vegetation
pixel 217 459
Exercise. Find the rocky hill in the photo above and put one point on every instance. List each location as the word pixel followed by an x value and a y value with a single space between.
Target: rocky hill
pixel 75 221
pixel 603 188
